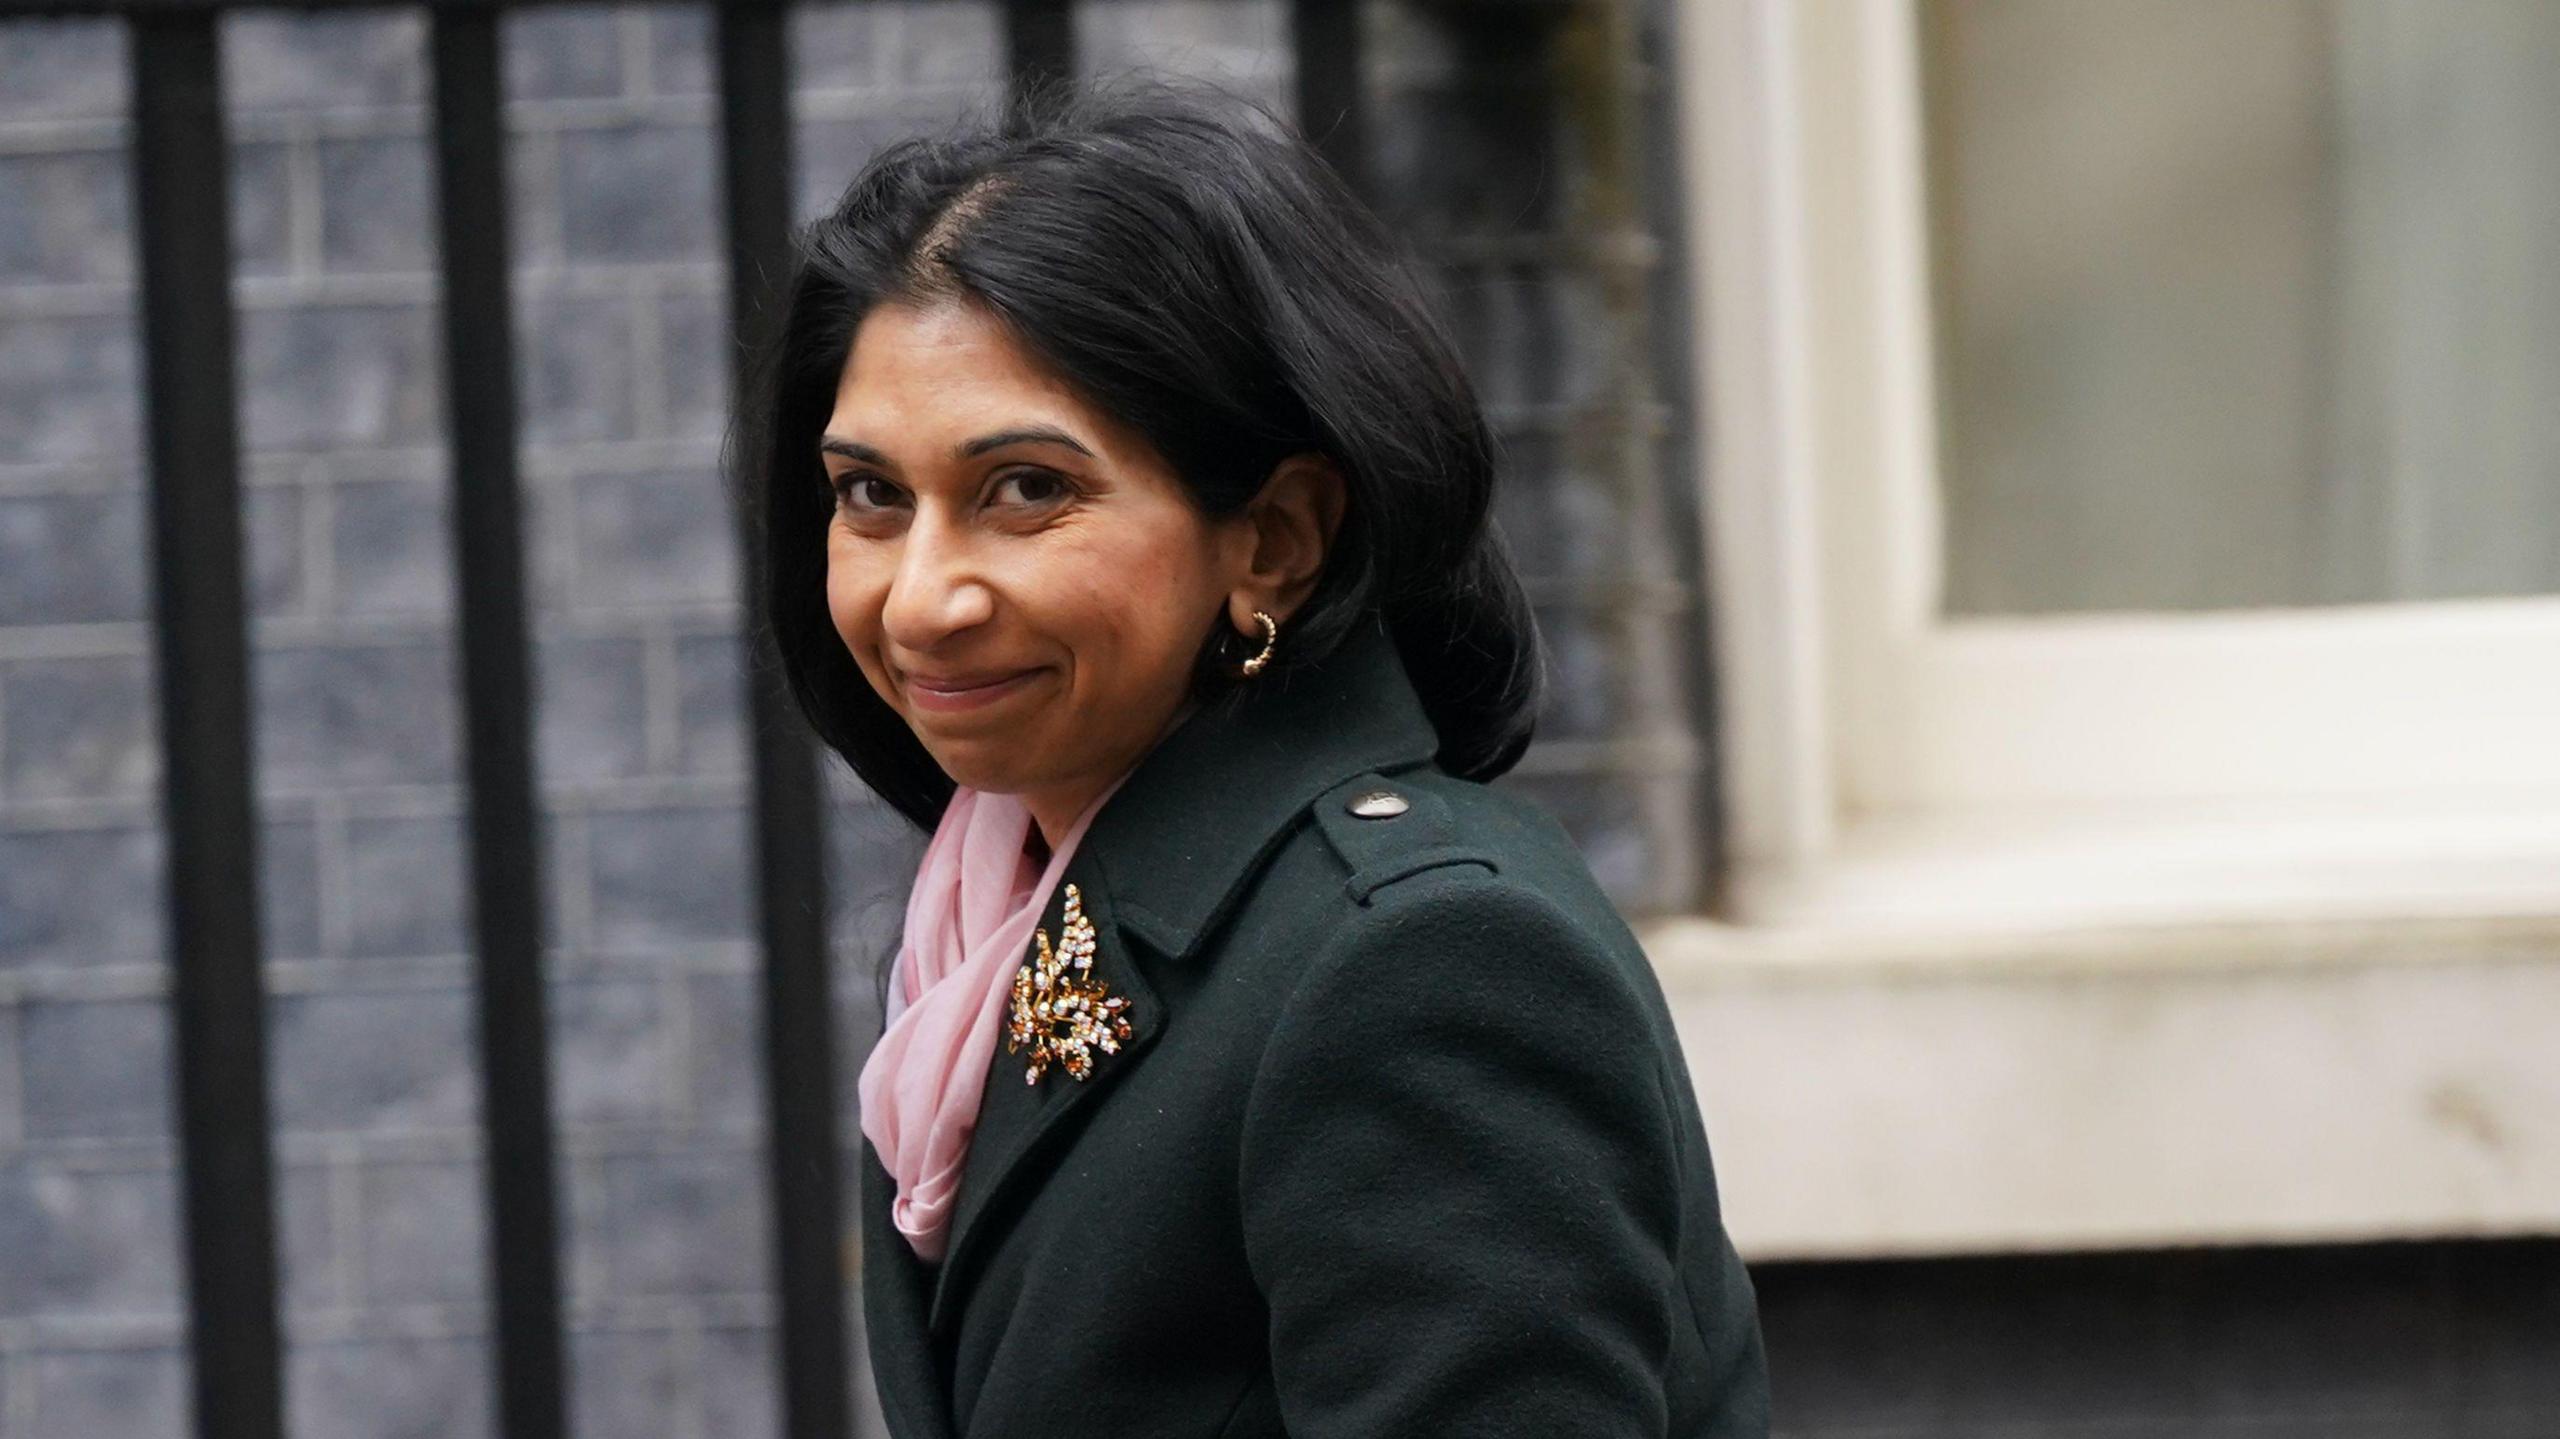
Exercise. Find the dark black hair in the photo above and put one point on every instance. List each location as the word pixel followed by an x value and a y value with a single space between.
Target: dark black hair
pixel 1192 267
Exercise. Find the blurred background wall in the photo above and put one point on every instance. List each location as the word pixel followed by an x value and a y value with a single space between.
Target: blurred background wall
pixel 2153 271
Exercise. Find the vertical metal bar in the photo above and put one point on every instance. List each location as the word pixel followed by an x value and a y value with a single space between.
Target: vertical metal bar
pixel 515 1073
pixel 790 823
pixel 1039 43
pixel 182 207
pixel 1332 109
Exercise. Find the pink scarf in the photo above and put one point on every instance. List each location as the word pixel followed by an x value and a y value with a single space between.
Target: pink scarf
pixel 969 922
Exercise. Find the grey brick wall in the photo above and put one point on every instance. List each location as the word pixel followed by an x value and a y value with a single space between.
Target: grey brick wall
pixel 1515 142
pixel 1544 266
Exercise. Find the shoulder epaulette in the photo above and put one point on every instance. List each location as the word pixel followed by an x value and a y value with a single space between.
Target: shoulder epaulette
pixel 1385 830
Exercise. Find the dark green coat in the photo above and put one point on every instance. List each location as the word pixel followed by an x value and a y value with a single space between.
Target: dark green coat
pixel 1402 1142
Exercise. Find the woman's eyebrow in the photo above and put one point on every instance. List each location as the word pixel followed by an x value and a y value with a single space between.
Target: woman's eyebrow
pixel 1027 434
pixel 1021 435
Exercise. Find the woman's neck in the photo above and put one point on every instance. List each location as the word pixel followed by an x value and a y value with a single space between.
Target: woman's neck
pixel 1052 815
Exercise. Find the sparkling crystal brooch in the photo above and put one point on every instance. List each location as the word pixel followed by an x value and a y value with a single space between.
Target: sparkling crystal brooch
pixel 1060 1010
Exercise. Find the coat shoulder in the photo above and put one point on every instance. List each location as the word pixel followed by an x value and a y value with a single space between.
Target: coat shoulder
pixel 1425 838
pixel 1382 830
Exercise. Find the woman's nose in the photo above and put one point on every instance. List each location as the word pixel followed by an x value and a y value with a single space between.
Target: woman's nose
pixel 937 590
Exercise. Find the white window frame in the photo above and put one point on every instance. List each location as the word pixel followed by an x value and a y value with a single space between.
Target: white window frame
pixel 2074 931
pixel 1890 765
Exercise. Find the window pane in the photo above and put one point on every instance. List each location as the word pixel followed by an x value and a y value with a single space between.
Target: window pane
pixel 2245 304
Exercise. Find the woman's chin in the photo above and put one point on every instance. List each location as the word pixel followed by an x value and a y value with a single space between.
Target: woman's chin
pixel 989 765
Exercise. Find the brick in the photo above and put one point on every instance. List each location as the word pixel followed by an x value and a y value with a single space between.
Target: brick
pixel 380 1061
pixel 725 1064
pixel 934 43
pixel 1582 697
pixel 564 52
pixel 62 69
pixel 1559 522
pixel 423 1233
pixel 375 210
pixel 88 1243
pixel 271 523
pixel 738 1393
pixel 640 192
pixel 80 897
pixel 309 1249
pixel 70 391
pixel 630 1382
pixel 127 1393
pixel 1456 159
pixel 405 886
pixel 1244 46
pixel 711 734
pixel 261 207
pixel 590 709
pixel 299 60
pixel 696 364
pixel 72 558
pixel 335 376
pixel 563 838
pixel 289 889
pixel 392 549
pixel 78 729
pixel 846 47
pixel 574 359
pixel 62 218
pixel 680 60
pixel 12 1116
pixel 827 154
pixel 1498 327
pixel 357 714
pixel 1568 341
pixel 95 1069
pixel 655 1225
pixel 665 878
pixel 389 1389
pixel 613 1050
pixel 654 538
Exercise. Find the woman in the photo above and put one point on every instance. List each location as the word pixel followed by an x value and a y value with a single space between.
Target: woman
pixel 1251 1067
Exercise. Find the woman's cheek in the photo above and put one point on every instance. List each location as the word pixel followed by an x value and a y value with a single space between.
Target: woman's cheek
pixel 850 606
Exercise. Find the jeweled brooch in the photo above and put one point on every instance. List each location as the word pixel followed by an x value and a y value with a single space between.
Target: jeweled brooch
pixel 1059 1009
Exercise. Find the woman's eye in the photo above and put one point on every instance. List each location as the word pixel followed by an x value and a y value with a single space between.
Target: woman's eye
pixel 1034 487
pixel 858 492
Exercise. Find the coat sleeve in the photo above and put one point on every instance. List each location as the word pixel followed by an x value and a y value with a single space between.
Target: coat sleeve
pixel 1459 1177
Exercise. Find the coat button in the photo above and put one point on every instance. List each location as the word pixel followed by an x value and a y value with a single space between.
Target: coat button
pixel 1378 804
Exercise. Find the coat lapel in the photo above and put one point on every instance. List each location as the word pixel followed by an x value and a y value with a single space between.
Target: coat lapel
pixel 1163 860
pixel 894 1292
pixel 1016 1117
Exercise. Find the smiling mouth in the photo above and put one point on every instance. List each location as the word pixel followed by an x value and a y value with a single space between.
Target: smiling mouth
pixel 957 695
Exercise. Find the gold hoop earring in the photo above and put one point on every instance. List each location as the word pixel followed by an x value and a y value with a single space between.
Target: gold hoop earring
pixel 1270 636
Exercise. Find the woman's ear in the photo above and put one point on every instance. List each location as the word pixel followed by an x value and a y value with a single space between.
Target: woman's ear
pixel 1291 524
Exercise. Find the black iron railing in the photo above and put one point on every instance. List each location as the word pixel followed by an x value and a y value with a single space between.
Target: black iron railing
pixel 192 400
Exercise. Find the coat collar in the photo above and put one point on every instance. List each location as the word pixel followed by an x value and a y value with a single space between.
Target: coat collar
pixel 1175 844
pixel 1164 859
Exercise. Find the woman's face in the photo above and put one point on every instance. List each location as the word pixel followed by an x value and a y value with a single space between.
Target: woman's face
pixel 1019 575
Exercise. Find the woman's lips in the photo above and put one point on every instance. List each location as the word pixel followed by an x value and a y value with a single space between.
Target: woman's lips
pixel 953 696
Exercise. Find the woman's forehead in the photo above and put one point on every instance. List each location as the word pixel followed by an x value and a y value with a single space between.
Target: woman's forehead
pixel 908 367
pixel 928 381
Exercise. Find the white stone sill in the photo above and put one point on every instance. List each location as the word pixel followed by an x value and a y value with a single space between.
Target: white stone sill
pixel 1943 1092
